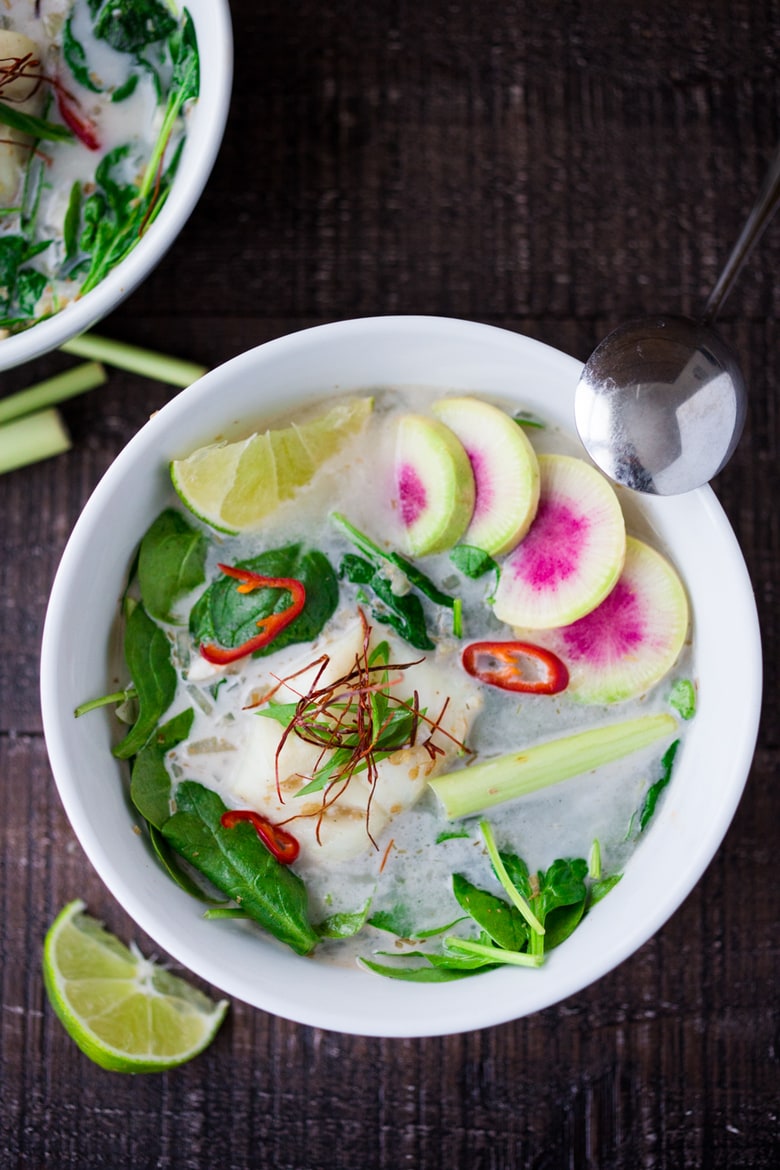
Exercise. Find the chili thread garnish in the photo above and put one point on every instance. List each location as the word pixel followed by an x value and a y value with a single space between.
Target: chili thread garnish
pixel 284 847
pixel 27 68
pixel 386 854
pixel 355 721
pixel 270 626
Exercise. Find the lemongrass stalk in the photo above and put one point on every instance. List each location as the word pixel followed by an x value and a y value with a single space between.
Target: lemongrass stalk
pixel 146 362
pixel 470 790
pixel 53 390
pixel 32 438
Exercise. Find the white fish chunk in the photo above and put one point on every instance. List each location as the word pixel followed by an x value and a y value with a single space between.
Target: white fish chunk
pixel 347 819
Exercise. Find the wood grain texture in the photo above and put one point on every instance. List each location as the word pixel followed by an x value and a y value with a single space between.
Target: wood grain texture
pixel 551 168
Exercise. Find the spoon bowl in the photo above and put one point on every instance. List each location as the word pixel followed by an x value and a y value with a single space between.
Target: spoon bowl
pixel 661 404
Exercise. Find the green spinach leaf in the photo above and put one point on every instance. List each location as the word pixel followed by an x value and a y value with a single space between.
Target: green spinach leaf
pixel 402 612
pixel 472 561
pixel 130 25
pixel 171 563
pixel 76 57
pixel 148 659
pixel 655 790
pixel 237 863
pixel 429 974
pixel 503 923
pixel 227 618
pixel 345 924
pixel 150 782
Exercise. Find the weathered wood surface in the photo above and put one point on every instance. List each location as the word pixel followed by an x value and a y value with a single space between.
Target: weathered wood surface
pixel 552 168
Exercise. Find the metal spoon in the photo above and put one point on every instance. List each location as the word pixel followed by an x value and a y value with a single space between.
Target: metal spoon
pixel 661 403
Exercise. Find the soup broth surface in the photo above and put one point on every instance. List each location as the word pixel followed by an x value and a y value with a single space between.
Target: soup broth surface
pixel 407 868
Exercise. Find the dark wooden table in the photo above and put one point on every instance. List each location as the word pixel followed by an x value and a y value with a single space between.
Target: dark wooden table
pixel 553 168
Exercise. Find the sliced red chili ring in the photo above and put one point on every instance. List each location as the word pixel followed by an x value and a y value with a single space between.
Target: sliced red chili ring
pixel 284 847
pixel 270 626
pixel 516 666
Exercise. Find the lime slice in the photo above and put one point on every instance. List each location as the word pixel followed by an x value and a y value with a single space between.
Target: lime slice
pixel 124 1011
pixel 234 486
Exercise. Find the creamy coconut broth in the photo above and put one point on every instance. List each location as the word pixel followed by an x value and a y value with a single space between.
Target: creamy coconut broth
pixel 94 99
pixel 387 851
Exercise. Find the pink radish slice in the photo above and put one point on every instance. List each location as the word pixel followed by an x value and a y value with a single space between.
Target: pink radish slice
pixel 506 472
pixel 633 639
pixel 572 554
pixel 434 485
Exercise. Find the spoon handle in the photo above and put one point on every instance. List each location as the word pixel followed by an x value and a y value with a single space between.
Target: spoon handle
pixel 763 210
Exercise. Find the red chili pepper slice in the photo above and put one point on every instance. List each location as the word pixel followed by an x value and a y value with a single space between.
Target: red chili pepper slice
pixel 84 130
pixel 516 666
pixel 277 841
pixel 270 627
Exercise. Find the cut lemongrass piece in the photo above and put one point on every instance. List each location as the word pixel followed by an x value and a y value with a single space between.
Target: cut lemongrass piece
pixel 470 790
pixel 53 390
pixel 146 362
pixel 32 438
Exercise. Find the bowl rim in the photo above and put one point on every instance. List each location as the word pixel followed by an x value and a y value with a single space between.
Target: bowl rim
pixel 195 165
pixel 405 1015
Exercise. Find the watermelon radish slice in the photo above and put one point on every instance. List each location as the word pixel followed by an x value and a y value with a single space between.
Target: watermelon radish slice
pixel 573 553
pixel 629 642
pixel 506 472
pixel 434 485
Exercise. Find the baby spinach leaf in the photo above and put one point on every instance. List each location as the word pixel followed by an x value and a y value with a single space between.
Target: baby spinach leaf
pixel 148 659
pixel 150 783
pixel 402 612
pixel 345 924
pixel 76 57
pixel 429 974
pixel 356 569
pixel 377 554
pixel 601 887
pixel 131 25
pixel 562 885
pixel 228 618
pixel 683 698
pixel 560 903
pixel 503 923
pixel 526 418
pixel 171 563
pixel 397 921
pixel 12 251
pixel 518 873
pixel 472 561
pixel 654 791
pixel 173 865
pixel 237 863
pixel 30 284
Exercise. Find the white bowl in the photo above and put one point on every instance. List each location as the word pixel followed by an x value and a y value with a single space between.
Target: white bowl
pixel 205 130
pixel 688 827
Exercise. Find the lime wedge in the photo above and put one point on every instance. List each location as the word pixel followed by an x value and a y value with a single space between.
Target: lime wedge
pixel 234 486
pixel 124 1011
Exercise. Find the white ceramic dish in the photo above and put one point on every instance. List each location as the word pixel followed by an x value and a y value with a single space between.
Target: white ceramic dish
pixel 709 776
pixel 205 130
